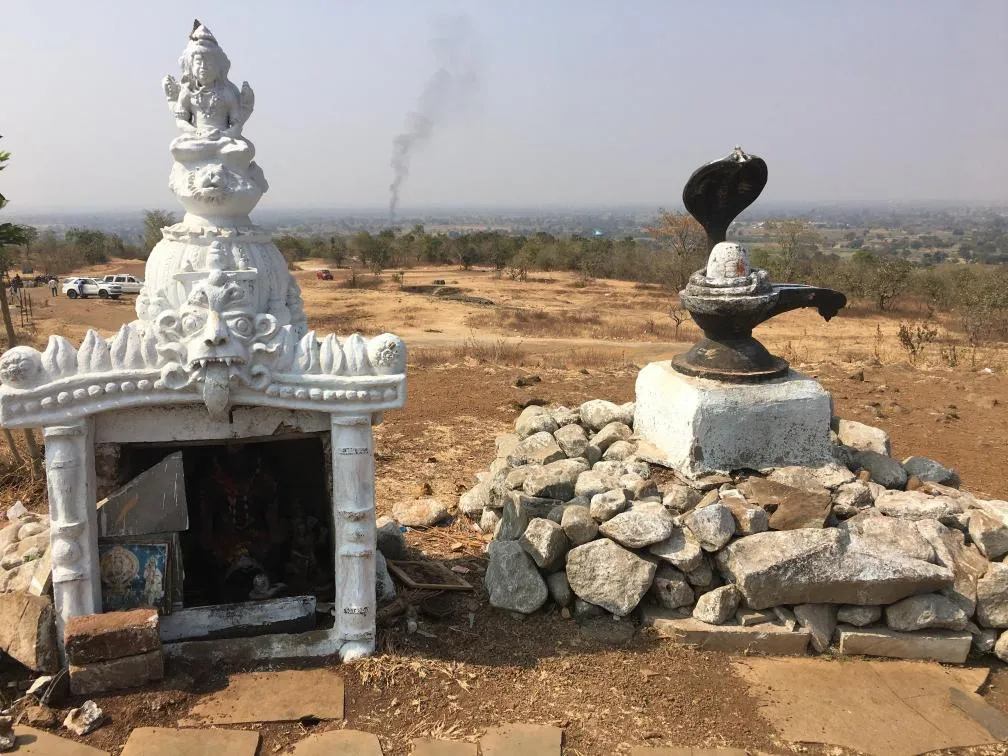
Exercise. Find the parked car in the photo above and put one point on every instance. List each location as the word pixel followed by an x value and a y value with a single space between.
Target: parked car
pixel 324 275
pixel 129 284
pixel 89 287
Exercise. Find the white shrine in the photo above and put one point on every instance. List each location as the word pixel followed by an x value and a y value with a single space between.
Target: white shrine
pixel 220 352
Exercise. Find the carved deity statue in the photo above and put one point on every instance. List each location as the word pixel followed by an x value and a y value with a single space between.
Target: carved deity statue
pixel 214 171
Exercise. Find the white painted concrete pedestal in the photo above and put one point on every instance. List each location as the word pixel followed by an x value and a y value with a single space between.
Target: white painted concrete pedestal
pixel 698 426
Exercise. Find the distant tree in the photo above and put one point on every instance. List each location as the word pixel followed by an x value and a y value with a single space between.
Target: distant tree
pixel 381 253
pixel 154 221
pixel 891 279
pixel 520 263
pixel 685 238
pixel 338 251
pixel 592 255
pixel 364 246
pixel 12 234
pixel 90 243
pixel 293 248
pixel 796 243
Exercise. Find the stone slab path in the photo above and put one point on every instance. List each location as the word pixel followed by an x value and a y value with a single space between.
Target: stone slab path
pixel 285 696
pixel 526 739
pixel 167 741
pixel 897 708
pixel 444 748
pixel 32 742
pixel 981 712
pixel 342 742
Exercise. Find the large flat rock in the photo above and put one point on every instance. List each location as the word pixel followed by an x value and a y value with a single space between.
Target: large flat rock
pixel 168 741
pixel 284 696
pixel 895 708
pixel 445 747
pixel 153 502
pixel 31 742
pixel 524 739
pixel 28 630
pixel 945 646
pixel 813 566
pixel 338 743
pixel 689 751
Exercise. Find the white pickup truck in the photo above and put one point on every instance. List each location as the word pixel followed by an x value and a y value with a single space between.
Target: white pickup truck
pixel 89 287
pixel 127 283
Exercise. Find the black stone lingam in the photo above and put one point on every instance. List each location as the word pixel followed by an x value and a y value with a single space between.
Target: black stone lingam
pixel 729 298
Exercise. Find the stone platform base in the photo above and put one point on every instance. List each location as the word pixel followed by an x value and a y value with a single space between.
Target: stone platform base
pixel 698 426
pixel 768 639
pixel 937 645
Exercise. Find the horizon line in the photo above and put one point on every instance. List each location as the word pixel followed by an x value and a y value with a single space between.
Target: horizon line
pixel 515 207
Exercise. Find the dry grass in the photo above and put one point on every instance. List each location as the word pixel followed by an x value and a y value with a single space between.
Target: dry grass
pixel 571 324
pixel 583 359
pixel 503 353
pixel 18 481
pixel 345 318
pixel 359 282
pixel 499 352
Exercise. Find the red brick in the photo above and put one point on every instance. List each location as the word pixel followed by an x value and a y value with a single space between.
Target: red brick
pixel 127 672
pixel 113 635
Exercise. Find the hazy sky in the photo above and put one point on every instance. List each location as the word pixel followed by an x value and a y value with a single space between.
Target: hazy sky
pixel 575 102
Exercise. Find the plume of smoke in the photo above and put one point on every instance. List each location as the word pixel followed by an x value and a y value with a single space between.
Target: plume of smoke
pixel 446 91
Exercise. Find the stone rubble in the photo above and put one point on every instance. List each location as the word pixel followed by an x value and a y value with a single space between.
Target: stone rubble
pixel 24 548
pixel 84 719
pixel 842 552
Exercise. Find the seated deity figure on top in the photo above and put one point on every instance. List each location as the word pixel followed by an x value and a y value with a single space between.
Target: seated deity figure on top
pixel 213 159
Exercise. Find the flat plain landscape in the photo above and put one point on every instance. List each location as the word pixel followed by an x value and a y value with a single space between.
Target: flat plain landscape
pixel 460 674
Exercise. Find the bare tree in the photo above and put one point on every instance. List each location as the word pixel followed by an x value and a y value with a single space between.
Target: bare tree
pixel 685 238
pixel 892 276
pixel 679 315
pixel 154 221
pixel 12 234
pixel 796 242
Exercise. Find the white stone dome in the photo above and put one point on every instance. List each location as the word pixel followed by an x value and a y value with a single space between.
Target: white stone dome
pixel 728 261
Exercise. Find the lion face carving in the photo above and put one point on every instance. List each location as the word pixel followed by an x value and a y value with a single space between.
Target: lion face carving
pixel 215 188
pixel 216 326
pixel 20 367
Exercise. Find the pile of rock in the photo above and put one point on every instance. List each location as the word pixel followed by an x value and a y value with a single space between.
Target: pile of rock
pixel 866 541
pixel 24 552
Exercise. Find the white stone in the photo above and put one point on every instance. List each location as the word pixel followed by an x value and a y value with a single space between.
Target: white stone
pixel 717 606
pixel 698 426
pixel 863 437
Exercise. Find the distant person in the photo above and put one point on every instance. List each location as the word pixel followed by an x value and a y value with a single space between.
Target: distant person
pixel 80 287
pixel 16 284
pixel 53 286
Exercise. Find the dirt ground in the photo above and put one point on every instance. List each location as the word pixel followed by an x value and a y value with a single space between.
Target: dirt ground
pixel 479 667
